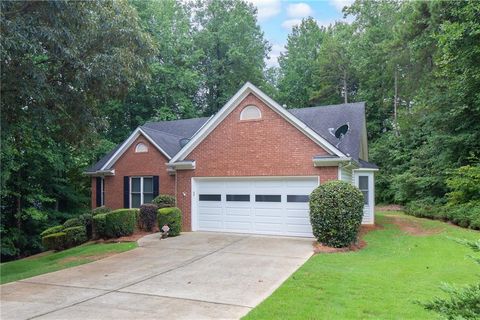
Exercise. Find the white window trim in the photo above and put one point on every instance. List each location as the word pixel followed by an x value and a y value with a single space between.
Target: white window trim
pixel 247 109
pixel 141 145
pixel 367 190
pixel 141 189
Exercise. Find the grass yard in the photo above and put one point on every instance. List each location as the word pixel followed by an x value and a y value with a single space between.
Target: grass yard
pixel 381 281
pixel 53 261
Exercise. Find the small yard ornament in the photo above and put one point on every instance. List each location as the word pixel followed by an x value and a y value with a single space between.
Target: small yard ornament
pixel 165 230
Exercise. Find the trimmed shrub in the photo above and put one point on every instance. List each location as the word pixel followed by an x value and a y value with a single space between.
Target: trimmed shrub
pixel 164 201
pixel 148 216
pixel 73 222
pixel 336 211
pixel 86 220
pixel 52 230
pixel 75 236
pixel 120 223
pixel 98 225
pixel 172 217
pixel 101 210
pixel 55 241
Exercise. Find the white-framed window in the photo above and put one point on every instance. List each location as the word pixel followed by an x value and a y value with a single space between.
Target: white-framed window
pixel 363 186
pixel 102 191
pixel 141 147
pixel 141 191
pixel 250 113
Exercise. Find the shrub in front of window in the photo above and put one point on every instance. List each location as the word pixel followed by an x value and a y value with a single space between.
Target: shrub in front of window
pixel 120 223
pixel 336 211
pixel 164 201
pixel 52 230
pixel 73 222
pixel 148 216
pixel 86 220
pixel 98 225
pixel 75 236
pixel 55 241
pixel 172 217
pixel 100 210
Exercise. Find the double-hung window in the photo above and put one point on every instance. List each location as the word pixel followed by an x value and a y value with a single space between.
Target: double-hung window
pixel 141 191
pixel 102 191
pixel 363 186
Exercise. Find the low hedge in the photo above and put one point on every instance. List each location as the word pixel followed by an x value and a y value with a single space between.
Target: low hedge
pixel 98 225
pixel 336 211
pixel 73 222
pixel 120 223
pixel 75 236
pixel 101 210
pixel 52 230
pixel 172 217
pixel 55 241
pixel 164 201
pixel 147 216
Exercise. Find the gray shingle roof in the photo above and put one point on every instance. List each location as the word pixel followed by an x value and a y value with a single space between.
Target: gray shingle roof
pixel 324 120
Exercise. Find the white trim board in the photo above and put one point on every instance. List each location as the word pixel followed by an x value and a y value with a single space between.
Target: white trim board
pixel 135 134
pixel 232 104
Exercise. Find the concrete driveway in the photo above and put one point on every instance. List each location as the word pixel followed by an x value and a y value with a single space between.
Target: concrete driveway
pixel 198 275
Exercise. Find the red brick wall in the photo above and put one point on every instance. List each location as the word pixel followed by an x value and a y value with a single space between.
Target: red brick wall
pixel 130 163
pixel 267 147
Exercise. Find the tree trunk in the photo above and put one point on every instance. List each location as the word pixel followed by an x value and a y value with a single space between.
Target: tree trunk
pixel 345 86
pixel 395 102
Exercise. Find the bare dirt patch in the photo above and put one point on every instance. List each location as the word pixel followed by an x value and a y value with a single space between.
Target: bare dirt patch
pixel 389 207
pixel 358 245
pixel 131 238
pixel 92 257
pixel 412 227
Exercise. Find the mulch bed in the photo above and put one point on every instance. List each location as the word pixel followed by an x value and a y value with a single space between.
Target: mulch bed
pixel 358 245
pixel 131 238
pixel 389 207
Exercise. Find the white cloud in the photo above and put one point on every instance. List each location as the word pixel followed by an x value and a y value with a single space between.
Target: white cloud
pixel 290 23
pixel 339 4
pixel 272 60
pixel 299 10
pixel 266 8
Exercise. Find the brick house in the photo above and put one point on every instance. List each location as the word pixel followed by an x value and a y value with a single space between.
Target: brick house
pixel 248 169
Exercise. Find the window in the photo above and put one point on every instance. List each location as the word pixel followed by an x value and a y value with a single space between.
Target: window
pixel 141 147
pixel 141 191
pixel 238 197
pixel 363 186
pixel 250 113
pixel 210 197
pixel 102 191
pixel 268 198
pixel 298 198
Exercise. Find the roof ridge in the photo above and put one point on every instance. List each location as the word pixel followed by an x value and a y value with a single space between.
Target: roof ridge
pixel 329 105
pixel 167 121
pixel 167 133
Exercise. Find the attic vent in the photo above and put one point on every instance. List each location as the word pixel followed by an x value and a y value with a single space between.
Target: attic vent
pixel 184 141
pixel 340 132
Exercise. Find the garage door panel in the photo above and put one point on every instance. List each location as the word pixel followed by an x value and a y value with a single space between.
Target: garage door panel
pixel 255 205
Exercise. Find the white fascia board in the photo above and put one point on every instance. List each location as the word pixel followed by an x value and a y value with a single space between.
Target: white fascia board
pixel 101 173
pixel 135 134
pixel 325 162
pixel 366 169
pixel 182 165
pixel 246 89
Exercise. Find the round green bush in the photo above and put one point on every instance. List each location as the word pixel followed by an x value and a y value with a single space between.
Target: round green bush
pixel 86 219
pixel 98 225
pixel 172 217
pixel 120 223
pixel 52 230
pixel 147 216
pixel 73 222
pixel 164 201
pixel 336 211
pixel 75 236
pixel 55 241
pixel 100 210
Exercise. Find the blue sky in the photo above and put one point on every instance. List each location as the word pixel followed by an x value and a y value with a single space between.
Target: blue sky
pixel 277 17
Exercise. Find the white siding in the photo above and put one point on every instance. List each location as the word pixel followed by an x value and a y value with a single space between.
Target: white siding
pixel 346 174
pixel 368 209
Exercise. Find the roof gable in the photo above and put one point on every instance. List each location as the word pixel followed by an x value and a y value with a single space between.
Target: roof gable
pixel 247 89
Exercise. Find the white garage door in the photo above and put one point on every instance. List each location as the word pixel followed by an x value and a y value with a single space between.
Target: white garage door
pixel 277 206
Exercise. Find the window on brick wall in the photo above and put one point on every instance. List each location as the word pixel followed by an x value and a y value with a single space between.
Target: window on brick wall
pixel 141 191
pixel 102 191
pixel 141 147
pixel 250 113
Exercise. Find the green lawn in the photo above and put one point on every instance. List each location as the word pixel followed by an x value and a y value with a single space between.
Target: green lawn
pixel 50 261
pixel 381 281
